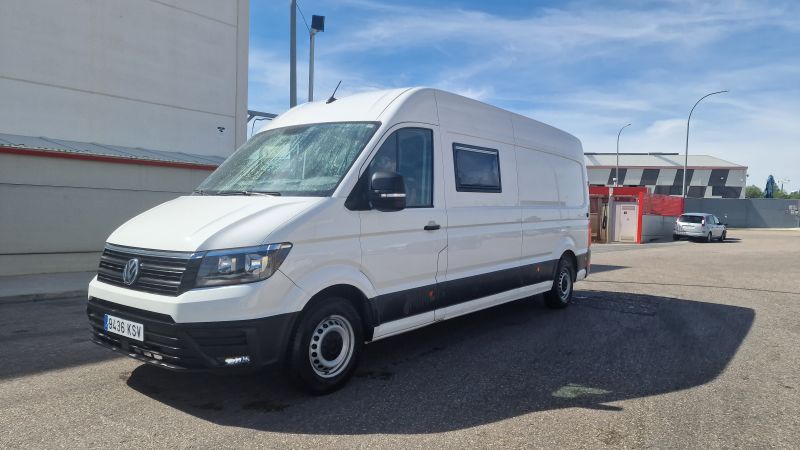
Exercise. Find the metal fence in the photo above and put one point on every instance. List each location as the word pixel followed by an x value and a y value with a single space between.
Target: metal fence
pixel 749 212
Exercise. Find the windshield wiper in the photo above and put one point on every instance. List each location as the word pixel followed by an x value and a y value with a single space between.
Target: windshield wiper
pixel 262 193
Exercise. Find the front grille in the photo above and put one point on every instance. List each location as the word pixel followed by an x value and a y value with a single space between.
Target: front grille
pixel 160 272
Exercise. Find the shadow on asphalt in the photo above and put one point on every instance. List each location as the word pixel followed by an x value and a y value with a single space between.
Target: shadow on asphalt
pixel 482 368
pixel 597 268
pixel 46 335
pixel 728 240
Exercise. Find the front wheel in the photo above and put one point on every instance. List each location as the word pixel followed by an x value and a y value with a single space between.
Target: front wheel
pixel 560 295
pixel 326 346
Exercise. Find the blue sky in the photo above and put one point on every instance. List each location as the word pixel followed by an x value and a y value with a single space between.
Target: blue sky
pixel 587 67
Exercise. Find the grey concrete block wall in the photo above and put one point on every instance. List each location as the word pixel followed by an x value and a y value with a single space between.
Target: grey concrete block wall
pixel 749 212
pixel 56 213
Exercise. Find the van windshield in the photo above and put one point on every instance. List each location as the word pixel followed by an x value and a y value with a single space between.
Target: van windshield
pixel 306 160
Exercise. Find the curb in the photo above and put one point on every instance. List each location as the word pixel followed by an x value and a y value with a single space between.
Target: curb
pixel 25 298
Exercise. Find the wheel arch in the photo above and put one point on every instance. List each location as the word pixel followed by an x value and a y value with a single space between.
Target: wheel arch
pixel 352 294
pixel 570 255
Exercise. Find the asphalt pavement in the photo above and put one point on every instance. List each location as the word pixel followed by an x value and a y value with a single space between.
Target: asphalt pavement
pixel 687 345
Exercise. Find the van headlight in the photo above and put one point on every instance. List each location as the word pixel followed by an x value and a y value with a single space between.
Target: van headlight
pixel 240 265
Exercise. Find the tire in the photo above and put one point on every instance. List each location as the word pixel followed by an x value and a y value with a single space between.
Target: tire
pixel 560 295
pixel 325 346
pixel 675 237
pixel 723 235
pixel 710 237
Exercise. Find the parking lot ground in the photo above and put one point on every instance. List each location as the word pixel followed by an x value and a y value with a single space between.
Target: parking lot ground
pixel 686 345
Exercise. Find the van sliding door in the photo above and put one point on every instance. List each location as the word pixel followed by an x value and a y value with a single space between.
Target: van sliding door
pixel 484 234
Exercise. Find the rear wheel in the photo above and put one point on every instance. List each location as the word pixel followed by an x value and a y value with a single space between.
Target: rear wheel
pixel 326 346
pixel 710 237
pixel 560 295
pixel 675 237
pixel 723 235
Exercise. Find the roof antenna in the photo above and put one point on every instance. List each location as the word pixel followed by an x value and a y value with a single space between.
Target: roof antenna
pixel 332 98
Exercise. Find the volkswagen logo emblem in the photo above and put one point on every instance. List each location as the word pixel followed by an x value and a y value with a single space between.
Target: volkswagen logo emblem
pixel 131 271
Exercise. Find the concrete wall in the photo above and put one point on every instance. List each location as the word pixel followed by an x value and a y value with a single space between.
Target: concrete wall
pixel 55 213
pixel 657 228
pixel 160 74
pixel 748 213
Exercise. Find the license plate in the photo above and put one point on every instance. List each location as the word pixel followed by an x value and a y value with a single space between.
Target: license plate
pixel 123 327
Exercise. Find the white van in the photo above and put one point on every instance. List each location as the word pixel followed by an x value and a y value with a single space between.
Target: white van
pixel 343 223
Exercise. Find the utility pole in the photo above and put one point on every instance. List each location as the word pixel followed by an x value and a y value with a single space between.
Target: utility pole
pixel 293 55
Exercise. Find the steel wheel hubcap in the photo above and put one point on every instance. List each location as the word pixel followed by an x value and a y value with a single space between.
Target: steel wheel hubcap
pixel 331 346
pixel 564 285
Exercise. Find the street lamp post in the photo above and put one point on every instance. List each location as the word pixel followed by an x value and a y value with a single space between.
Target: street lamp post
pixel 317 25
pixel 686 154
pixel 616 171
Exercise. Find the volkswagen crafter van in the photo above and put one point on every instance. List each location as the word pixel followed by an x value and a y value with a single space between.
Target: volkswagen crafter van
pixel 343 223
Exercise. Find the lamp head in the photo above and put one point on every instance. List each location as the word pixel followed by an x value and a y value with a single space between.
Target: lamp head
pixel 318 23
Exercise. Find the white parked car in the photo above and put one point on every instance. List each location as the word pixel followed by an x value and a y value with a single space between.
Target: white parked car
pixel 344 223
pixel 699 226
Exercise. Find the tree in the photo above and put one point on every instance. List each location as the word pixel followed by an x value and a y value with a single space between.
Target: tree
pixel 780 193
pixel 753 191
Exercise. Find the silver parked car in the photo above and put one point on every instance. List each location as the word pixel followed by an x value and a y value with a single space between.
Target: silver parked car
pixel 699 226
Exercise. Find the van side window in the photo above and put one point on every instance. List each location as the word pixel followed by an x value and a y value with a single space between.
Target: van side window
pixel 409 152
pixel 477 168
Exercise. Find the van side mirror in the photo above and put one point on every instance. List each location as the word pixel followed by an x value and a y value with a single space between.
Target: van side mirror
pixel 387 191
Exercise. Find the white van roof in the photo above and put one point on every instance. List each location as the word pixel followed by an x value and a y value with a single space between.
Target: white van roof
pixel 453 112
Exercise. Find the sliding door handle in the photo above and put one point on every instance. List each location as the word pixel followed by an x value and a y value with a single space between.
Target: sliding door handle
pixel 432 227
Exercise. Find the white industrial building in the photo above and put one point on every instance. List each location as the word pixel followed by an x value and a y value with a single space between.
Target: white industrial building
pixel 109 108
pixel 662 173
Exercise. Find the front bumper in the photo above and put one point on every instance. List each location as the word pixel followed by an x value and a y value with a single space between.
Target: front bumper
pixel 193 346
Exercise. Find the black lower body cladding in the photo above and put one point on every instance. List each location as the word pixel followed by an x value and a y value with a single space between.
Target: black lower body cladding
pixel 194 346
pixel 402 304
